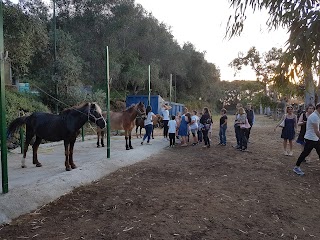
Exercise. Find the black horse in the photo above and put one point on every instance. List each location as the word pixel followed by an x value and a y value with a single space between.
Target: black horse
pixel 65 126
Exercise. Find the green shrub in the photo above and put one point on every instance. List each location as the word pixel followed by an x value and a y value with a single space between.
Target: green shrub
pixel 16 101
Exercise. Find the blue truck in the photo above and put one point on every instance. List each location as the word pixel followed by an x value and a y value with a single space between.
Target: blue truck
pixel 155 101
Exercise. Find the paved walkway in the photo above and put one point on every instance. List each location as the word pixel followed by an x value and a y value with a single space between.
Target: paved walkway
pixel 32 187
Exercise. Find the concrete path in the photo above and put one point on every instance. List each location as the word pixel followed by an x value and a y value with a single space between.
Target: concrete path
pixel 32 187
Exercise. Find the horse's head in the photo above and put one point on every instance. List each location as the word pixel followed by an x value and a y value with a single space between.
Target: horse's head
pixel 95 115
pixel 141 110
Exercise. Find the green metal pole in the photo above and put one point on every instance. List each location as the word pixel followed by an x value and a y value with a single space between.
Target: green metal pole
pixel 55 53
pixel 108 101
pixel 4 160
pixel 170 92
pixel 149 85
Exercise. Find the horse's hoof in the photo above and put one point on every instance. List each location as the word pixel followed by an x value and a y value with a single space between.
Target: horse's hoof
pixel 38 165
pixel 68 169
pixel 102 145
pixel 127 148
pixel 98 146
pixel 131 147
pixel 73 166
pixel 23 166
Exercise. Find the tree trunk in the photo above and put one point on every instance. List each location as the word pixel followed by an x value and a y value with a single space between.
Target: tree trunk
pixel 309 96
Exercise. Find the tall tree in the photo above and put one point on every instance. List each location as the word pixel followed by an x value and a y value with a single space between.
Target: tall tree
pixel 302 20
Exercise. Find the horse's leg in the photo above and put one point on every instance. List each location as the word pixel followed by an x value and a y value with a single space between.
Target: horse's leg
pixel 35 150
pixel 71 146
pixel 66 154
pixel 137 131
pixel 140 131
pixel 98 135
pixel 126 137
pixel 130 146
pixel 102 138
pixel 29 135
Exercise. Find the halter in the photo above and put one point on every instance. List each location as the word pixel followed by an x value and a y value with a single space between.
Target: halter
pixel 139 112
pixel 93 116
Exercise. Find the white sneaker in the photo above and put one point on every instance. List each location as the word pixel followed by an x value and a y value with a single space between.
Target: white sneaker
pixel 285 153
pixel 290 153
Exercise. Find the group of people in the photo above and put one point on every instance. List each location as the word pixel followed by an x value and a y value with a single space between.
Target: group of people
pixel 309 134
pixel 180 126
pixel 197 126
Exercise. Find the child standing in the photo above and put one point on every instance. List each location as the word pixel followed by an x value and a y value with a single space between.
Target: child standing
pixel 223 127
pixel 172 131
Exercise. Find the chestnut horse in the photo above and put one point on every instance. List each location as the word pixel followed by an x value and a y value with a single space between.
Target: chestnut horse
pixel 123 121
pixel 156 120
pixel 65 126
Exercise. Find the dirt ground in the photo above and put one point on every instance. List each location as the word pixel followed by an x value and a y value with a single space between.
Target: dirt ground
pixel 191 193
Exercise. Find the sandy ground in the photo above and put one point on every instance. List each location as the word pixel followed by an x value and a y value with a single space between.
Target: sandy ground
pixel 189 193
pixel 32 187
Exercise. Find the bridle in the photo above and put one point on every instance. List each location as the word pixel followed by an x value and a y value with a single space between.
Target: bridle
pixel 139 112
pixel 93 116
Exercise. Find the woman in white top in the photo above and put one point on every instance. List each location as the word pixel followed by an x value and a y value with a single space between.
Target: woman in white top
pixel 194 127
pixel 148 124
pixel 165 113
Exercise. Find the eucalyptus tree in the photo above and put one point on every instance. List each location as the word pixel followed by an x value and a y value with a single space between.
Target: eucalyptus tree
pixel 302 18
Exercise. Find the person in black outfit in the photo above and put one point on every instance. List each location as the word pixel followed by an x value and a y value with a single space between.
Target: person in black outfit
pixel 206 120
pixel 250 117
pixel 302 123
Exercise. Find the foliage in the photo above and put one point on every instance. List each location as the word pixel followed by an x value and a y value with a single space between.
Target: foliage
pixel 16 101
pixel 136 39
pixel 300 17
pixel 24 37
pixel 243 92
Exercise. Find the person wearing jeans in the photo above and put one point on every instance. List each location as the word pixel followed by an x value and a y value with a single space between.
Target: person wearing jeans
pixel 311 137
pixel 148 124
pixel 165 112
pixel 223 127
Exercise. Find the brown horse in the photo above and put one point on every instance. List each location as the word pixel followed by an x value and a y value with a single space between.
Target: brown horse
pixel 156 120
pixel 124 121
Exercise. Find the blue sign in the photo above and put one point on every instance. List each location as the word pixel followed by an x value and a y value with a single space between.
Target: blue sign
pixel 24 87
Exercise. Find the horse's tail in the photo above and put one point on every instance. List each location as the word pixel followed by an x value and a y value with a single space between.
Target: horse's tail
pixel 15 124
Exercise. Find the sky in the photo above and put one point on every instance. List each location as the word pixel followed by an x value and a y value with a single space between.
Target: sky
pixel 203 23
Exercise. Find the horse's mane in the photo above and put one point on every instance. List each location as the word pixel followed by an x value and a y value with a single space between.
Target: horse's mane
pixel 130 108
pixel 77 107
